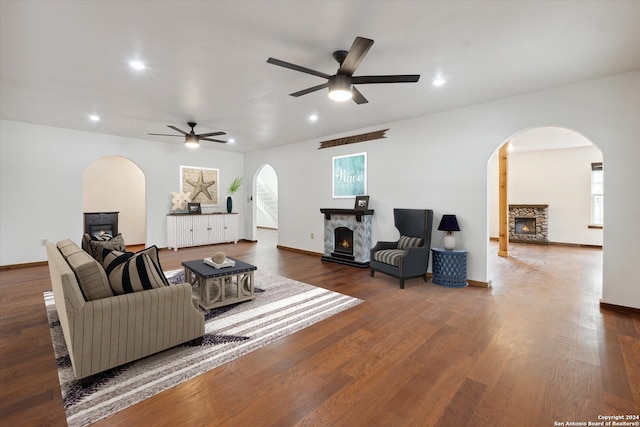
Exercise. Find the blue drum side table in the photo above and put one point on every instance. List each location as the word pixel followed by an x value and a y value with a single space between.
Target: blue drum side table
pixel 449 267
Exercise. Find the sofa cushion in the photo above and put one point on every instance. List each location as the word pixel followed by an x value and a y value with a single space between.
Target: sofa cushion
pixel 67 247
pixel 98 244
pixel 133 272
pixel 389 256
pixel 407 242
pixel 90 274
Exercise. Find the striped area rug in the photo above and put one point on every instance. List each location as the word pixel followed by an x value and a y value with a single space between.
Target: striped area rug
pixel 282 306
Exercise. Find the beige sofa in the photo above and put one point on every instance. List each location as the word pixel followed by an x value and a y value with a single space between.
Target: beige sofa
pixel 115 329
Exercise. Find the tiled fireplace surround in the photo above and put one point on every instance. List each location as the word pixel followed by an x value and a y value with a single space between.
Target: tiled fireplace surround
pixel 359 222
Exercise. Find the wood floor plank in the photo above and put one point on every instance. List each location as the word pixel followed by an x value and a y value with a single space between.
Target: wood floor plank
pixel 533 349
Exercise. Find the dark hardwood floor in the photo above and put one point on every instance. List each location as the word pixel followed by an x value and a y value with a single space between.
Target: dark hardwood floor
pixel 534 349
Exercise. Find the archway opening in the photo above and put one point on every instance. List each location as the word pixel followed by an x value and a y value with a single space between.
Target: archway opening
pixel 116 184
pixel 266 203
pixel 549 168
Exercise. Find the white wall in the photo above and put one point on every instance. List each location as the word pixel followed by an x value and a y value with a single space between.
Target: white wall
pixel 437 161
pixel 440 162
pixel 41 183
pixel 560 178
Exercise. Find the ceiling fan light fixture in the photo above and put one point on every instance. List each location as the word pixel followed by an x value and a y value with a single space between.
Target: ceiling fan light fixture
pixel 191 141
pixel 340 88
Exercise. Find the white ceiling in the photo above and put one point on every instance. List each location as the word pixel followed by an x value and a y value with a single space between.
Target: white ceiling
pixel 63 60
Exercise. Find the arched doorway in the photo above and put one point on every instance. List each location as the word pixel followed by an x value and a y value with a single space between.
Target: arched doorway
pixel 116 184
pixel 549 166
pixel 265 208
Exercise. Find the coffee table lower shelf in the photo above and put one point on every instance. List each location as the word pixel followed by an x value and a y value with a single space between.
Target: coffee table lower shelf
pixel 219 287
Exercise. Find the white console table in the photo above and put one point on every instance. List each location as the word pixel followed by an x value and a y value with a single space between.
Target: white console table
pixel 184 230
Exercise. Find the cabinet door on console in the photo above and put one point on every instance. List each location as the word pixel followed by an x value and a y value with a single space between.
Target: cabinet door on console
pixel 201 230
pixel 231 228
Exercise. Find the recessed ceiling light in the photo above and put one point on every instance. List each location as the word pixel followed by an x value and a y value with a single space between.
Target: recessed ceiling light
pixel 313 117
pixel 137 64
pixel 232 141
pixel 439 81
pixel 94 118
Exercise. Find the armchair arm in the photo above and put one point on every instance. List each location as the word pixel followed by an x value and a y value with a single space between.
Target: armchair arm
pixel 414 262
pixel 111 331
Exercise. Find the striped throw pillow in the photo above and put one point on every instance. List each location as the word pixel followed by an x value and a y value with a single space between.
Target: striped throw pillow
pixel 407 242
pixel 133 272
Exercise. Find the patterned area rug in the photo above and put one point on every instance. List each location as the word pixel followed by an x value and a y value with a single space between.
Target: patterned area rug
pixel 282 306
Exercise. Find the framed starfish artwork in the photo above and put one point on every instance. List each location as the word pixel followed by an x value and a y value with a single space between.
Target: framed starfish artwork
pixel 203 183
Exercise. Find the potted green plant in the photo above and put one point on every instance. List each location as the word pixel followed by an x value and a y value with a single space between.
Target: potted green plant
pixel 233 188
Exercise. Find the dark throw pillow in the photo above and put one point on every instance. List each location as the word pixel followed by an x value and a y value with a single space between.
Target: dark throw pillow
pixel 98 244
pixel 133 272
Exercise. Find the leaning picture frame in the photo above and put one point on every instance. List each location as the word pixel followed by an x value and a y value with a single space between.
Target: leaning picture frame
pixel 362 203
pixel 194 208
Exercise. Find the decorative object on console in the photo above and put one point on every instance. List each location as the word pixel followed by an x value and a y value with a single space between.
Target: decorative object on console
pixel 362 203
pixel 449 223
pixel 233 188
pixel 194 208
pixel 202 182
pixel 180 200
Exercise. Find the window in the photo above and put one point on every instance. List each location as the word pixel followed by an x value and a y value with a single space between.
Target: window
pixel 597 193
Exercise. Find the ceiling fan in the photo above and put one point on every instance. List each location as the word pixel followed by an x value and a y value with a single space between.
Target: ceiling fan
pixel 192 139
pixel 341 84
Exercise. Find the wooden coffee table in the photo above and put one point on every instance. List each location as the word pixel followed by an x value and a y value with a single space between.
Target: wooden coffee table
pixel 219 287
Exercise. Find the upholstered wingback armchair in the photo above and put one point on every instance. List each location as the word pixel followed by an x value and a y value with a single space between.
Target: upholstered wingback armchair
pixel 409 256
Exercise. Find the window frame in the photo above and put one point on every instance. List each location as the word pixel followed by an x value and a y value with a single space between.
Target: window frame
pixel 597 197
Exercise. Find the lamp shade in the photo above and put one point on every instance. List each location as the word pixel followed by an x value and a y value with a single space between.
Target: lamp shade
pixel 449 223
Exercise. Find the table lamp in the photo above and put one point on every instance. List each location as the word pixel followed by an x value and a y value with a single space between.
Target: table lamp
pixel 449 223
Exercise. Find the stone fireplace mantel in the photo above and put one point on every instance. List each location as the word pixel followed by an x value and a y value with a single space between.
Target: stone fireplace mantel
pixel 359 224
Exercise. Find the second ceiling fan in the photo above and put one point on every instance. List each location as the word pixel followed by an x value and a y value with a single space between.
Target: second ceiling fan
pixel 191 138
pixel 341 84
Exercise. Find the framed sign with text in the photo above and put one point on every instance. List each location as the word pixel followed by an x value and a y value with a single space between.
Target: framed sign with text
pixel 350 175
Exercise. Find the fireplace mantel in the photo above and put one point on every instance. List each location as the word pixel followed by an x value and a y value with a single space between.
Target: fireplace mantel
pixel 358 214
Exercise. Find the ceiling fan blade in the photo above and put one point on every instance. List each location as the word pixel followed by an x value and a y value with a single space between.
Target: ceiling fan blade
pixel 356 54
pixel 295 67
pixel 358 97
pixel 177 130
pixel 400 78
pixel 164 134
pixel 214 140
pixel 309 90
pixel 204 135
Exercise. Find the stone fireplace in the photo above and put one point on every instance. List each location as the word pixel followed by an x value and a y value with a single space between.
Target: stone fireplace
pixel 347 236
pixel 529 224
